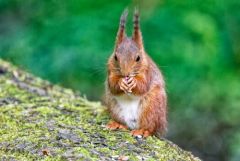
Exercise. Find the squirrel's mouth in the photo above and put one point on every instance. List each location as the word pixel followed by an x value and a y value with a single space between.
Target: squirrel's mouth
pixel 133 74
pixel 128 76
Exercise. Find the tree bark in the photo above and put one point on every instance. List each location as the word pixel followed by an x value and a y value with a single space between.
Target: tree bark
pixel 39 120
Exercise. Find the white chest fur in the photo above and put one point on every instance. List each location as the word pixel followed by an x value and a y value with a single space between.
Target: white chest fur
pixel 129 109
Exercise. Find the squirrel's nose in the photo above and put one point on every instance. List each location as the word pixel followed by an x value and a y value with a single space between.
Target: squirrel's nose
pixel 125 74
pixel 125 71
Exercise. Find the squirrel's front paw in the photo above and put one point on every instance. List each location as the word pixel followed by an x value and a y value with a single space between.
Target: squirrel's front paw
pixel 131 84
pixel 127 84
pixel 123 84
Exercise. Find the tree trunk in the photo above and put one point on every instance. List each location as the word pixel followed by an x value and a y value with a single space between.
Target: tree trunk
pixel 39 120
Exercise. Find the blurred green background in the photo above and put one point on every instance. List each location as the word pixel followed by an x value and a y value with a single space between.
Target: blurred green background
pixel 195 43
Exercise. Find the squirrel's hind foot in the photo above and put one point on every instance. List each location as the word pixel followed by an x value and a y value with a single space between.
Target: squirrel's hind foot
pixel 141 132
pixel 113 125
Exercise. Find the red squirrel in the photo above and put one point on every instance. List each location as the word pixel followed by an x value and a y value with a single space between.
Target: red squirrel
pixel 135 90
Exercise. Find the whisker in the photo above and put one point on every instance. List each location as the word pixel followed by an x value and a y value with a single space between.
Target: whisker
pixel 117 68
pixel 133 74
pixel 162 66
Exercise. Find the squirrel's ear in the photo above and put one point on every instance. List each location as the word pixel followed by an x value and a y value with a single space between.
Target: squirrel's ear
pixel 121 30
pixel 137 34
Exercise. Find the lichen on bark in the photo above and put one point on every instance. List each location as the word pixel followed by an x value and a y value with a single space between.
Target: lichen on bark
pixel 39 120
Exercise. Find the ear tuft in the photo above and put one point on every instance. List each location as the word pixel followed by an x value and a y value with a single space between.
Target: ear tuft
pixel 121 30
pixel 137 35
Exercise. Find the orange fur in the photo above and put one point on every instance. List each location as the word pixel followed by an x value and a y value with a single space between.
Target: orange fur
pixel 148 83
pixel 115 125
pixel 153 117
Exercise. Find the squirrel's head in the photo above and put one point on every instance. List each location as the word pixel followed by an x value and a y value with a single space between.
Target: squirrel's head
pixel 128 57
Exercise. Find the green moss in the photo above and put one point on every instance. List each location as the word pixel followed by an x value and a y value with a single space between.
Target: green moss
pixel 36 117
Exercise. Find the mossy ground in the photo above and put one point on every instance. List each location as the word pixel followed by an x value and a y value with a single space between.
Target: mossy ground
pixel 40 121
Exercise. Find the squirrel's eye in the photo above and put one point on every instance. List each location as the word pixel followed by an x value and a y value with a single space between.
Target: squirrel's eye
pixel 115 57
pixel 138 58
